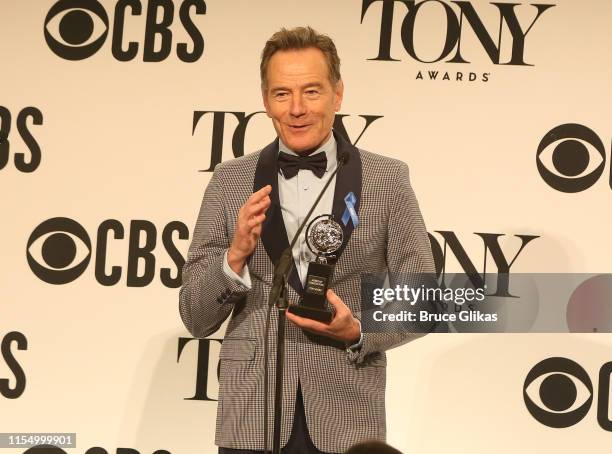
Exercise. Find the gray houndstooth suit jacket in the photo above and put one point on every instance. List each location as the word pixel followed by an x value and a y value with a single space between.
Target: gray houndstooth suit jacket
pixel 344 391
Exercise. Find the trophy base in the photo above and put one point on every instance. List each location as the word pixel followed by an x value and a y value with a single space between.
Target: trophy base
pixel 320 315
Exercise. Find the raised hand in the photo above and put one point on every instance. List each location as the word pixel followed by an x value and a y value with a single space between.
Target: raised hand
pixel 248 228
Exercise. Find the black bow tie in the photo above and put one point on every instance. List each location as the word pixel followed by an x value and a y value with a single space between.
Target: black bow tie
pixel 290 164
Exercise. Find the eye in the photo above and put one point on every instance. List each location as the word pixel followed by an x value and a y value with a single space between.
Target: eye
pixel 571 158
pixel 558 392
pixel 58 250
pixel 76 29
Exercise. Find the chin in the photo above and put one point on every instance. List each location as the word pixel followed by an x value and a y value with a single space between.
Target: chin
pixel 300 145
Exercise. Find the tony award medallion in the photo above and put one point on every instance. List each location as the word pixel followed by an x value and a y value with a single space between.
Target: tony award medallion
pixel 324 238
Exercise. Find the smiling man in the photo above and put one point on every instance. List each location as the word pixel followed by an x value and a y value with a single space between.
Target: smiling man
pixel 334 374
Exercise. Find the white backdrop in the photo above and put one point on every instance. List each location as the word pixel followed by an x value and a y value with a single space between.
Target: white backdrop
pixel 119 140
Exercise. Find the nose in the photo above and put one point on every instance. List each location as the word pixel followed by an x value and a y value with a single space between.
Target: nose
pixel 298 107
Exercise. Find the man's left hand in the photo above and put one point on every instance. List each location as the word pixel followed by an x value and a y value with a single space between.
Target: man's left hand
pixel 343 327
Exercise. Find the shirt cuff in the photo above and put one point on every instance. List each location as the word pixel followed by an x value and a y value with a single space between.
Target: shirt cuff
pixel 357 346
pixel 244 278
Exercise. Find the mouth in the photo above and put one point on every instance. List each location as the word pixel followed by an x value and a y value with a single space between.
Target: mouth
pixel 298 127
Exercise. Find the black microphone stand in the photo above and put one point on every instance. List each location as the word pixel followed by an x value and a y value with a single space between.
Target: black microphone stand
pixel 278 298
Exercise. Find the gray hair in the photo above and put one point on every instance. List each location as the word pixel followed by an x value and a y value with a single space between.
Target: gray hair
pixel 300 38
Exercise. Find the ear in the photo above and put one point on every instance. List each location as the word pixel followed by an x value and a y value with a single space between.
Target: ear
pixel 338 94
pixel 266 102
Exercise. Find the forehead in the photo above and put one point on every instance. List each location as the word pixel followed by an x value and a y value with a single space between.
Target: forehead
pixel 297 66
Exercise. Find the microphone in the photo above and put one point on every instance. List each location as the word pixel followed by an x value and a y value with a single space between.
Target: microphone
pixel 285 262
pixel 281 271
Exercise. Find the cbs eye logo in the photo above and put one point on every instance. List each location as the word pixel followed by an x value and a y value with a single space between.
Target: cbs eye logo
pixel 80 25
pixel 558 393
pixel 59 251
pixel 571 158
pixel 63 245
pixel 77 29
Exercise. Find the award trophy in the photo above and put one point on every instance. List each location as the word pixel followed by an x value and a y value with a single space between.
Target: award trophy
pixel 324 237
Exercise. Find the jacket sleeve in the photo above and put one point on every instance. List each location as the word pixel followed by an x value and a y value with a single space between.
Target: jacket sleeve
pixel 408 255
pixel 208 294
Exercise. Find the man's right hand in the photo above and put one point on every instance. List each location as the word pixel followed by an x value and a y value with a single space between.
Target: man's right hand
pixel 248 228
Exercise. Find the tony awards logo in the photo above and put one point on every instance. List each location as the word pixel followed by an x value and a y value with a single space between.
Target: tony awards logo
pixel 324 237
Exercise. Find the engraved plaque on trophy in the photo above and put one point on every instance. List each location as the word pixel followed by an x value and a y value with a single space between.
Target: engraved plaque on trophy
pixel 324 238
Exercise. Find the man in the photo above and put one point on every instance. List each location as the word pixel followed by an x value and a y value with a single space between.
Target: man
pixel 334 382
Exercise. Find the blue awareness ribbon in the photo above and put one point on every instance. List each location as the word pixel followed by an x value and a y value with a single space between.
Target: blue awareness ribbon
pixel 349 212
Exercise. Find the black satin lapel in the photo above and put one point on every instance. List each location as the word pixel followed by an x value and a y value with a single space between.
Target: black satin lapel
pixel 273 232
pixel 348 180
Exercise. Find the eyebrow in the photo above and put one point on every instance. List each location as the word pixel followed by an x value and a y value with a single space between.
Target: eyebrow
pixel 304 87
pixel 313 85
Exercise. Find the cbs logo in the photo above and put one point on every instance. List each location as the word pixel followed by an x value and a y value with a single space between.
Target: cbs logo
pixel 77 29
pixel 19 376
pixel 558 393
pixel 22 163
pixel 571 158
pixel 59 251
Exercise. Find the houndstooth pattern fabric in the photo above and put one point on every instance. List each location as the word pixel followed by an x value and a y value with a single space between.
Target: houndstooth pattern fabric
pixel 344 392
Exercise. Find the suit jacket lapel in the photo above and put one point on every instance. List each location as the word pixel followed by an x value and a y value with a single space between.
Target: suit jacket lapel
pixel 273 232
pixel 348 180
